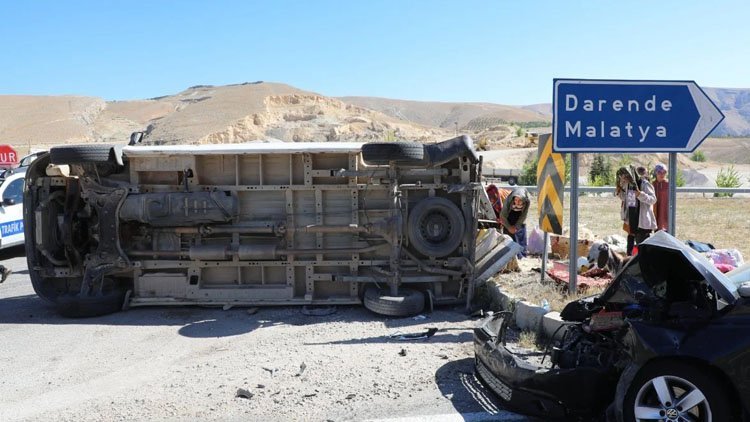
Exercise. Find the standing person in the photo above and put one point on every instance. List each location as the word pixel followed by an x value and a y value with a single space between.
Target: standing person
pixel 646 200
pixel 661 189
pixel 637 212
pixel 626 190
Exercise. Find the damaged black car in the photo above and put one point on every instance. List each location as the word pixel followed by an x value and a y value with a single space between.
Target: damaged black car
pixel 668 340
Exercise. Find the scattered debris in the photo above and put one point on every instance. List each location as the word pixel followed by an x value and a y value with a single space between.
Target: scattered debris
pixel 271 371
pixel 244 394
pixel 351 396
pixel 479 313
pixel 227 307
pixel 252 311
pixel 430 301
pixel 414 336
pixel 302 368
pixel 443 356
pixel 318 310
pixel 420 317
pixel 310 395
pixel 402 352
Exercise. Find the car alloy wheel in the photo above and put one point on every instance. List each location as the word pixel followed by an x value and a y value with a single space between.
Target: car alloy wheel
pixel 671 398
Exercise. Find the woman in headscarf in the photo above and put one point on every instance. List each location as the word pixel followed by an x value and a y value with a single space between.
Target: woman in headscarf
pixel 636 210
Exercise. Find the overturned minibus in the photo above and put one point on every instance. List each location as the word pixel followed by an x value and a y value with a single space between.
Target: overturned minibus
pixel 391 225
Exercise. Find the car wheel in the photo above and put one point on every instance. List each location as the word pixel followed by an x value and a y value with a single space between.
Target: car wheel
pixel 382 153
pixel 435 227
pixel 674 391
pixel 512 181
pixel 408 302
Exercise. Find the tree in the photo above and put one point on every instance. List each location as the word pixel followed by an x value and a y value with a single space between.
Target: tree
pixel 528 171
pixel 600 173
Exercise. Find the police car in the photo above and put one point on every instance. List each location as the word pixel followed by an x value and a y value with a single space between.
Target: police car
pixel 11 208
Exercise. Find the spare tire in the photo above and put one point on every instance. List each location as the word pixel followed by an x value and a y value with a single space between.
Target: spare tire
pixel 435 227
pixel 408 302
pixel 82 154
pixel 380 153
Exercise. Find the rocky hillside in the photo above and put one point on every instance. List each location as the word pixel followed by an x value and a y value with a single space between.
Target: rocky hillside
pixel 735 104
pixel 271 111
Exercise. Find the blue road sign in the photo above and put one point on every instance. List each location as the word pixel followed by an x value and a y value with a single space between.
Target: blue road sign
pixel 628 116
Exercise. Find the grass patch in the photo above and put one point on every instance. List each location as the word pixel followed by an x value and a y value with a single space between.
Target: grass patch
pixel 724 222
pixel 527 340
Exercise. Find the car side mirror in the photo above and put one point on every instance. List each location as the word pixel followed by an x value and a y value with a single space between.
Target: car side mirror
pixel 9 201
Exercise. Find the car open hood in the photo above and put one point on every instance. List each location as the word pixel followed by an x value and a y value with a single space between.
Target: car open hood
pixel 654 247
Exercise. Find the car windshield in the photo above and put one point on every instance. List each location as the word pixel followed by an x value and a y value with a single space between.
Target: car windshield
pixel 665 259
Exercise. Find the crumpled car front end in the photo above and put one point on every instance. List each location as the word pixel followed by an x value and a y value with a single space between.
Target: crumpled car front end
pixel 577 378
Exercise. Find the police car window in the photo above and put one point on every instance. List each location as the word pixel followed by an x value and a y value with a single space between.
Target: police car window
pixel 14 191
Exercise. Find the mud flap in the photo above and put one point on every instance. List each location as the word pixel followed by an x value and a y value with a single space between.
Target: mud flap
pixel 493 252
pixel 500 251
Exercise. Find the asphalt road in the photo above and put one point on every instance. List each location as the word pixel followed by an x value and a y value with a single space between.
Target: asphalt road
pixel 189 363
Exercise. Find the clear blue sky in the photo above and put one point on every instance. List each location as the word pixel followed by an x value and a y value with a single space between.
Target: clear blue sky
pixel 498 51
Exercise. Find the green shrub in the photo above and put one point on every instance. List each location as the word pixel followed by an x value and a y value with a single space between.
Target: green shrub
pixel 599 181
pixel 727 178
pixel 528 171
pixel 389 136
pixel 520 131
pixel 698 156
pixel 680 182
pixel 600 173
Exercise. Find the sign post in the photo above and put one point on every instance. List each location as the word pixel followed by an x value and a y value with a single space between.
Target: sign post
pixel 592 115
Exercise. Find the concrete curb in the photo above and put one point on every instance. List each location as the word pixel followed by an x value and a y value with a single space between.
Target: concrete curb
pixel 527 315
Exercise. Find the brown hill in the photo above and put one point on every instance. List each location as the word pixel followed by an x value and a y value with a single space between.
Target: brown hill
pixel 262 111
pixel 200 114
pixel 468 116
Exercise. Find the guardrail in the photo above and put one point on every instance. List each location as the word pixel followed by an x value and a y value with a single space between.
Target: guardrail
pixel 611 189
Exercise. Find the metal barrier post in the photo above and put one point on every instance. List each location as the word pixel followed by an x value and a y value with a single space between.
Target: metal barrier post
pixel 672 192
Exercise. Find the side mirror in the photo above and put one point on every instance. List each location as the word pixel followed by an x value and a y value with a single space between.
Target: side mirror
pixel 136 138
pixel 9 201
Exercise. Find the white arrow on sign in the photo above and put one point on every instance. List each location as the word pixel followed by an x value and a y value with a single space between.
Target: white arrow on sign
pixel 710 116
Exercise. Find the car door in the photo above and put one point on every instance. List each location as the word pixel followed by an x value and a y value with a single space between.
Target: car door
pixel 11 212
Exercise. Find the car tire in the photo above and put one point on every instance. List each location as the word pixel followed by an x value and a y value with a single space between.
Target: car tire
pixel 435 227
pixel 83 154
pixel 383 153
pixel 512 181
pixel 407 303
pixel 677 381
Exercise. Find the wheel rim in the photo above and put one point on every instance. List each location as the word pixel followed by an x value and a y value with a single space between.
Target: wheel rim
pixel 435 227
pixel 673 399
